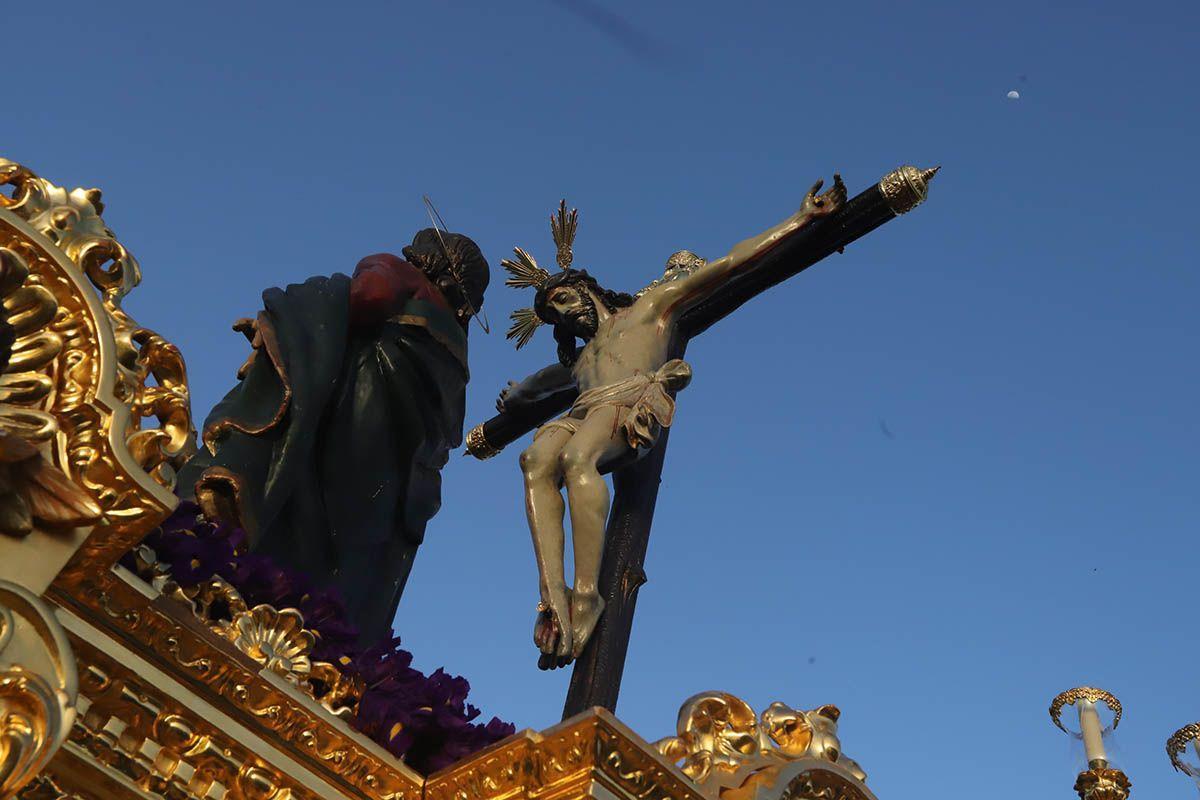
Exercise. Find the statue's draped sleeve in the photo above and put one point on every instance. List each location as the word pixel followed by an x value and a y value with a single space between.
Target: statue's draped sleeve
pixel 254 452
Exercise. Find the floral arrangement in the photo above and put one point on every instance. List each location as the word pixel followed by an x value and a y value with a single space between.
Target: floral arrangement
pixel 423 719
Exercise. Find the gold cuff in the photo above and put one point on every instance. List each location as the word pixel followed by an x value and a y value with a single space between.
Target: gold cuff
pixel 478 445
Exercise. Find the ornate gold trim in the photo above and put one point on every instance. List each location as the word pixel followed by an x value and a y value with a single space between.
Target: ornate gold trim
pixel 478 445
pixel 1178 742
pixel 906 188
pixel 1071 696
pixel 182 645
pixel 276 639
pixel 46 787
pixel 722 745
pixel 562 762
pixel 38 686
pixel 164 748
pixel 822 784
pixel 1102 784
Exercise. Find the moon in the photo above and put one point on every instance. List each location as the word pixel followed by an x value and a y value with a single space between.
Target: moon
pixel 1013 95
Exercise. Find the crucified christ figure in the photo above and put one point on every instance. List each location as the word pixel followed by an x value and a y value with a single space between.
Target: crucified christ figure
pixel 627 380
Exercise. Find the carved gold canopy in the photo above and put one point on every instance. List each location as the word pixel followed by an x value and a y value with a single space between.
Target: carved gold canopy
pixel 114 683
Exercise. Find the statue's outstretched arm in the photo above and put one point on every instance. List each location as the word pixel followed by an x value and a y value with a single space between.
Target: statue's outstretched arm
pixel 538 386
pixel 677 296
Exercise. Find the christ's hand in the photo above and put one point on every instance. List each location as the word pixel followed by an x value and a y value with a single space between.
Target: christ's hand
pixel 822 205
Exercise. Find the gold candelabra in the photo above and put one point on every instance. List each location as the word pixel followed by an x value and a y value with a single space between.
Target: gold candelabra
pixel 1100 780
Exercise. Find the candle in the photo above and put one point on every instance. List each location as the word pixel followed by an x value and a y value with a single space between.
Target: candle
pixel 1089 725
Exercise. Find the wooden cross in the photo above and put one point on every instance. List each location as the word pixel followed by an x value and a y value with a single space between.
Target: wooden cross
pixel 596 680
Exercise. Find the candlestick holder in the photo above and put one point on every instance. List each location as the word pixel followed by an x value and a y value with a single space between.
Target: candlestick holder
pixel 1100 781
pixel 1183 748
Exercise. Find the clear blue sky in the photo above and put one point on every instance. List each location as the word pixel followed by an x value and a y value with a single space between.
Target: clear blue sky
pixel 1028 337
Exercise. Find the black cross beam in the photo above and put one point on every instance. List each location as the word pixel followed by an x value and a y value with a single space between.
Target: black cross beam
pixel 596 680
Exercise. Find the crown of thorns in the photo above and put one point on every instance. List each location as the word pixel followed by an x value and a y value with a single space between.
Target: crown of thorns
pixel 525 273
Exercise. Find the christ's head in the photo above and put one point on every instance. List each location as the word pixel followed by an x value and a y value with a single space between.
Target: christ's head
pixel 455 265
pixel 568 302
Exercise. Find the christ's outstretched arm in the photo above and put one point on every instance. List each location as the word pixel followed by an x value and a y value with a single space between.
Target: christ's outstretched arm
pixel 538 386
pixel 675 297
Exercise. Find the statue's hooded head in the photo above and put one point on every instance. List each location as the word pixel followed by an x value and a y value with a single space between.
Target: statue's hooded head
pixel 567 300
pixel 458 269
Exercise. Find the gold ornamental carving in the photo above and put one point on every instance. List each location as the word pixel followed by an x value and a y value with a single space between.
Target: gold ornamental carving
pixel 1072 696
pixel 104 398
pixel 132 724
pixel 1180 739
pixel 1102 784
pixel 563 762
pixel 128 726
pixel 478 445
pixel 906 188
pixel 38 687
pixel 45 787
pixel 728 749
pixel 32 490
pixel 275 639
pixel 189 644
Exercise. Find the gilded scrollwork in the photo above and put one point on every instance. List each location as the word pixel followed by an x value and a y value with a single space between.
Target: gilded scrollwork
pixel 274 638
pixel 721 743
pixel 561 763
pixel 38 687
pixel 85 378
pixel 32 490
pixel 188 643
pixel 132 725
pixel 820 785
pixel 46 787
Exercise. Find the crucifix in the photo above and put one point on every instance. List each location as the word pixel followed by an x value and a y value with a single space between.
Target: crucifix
pixel 619 391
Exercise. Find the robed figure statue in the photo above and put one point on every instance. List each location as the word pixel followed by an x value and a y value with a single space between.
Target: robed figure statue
pixel 328 451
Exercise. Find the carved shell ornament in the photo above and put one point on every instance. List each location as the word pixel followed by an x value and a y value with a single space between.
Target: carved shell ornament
pixel 276 639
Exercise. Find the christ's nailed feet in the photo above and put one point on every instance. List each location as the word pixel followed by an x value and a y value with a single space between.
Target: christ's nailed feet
pixel 586 608
pixel 551 635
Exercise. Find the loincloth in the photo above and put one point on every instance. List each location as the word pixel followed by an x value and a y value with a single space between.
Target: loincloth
pixel 645 403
